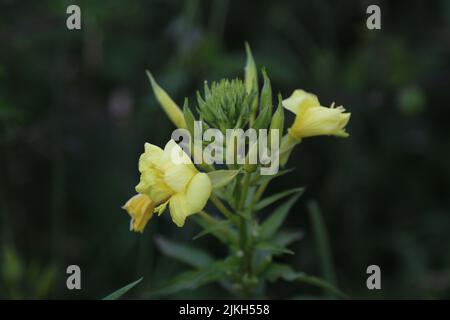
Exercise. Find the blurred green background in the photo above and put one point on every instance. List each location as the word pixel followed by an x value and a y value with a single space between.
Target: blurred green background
pixel 76 109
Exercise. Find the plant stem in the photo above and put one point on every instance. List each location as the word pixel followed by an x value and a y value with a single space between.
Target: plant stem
pixel 219 204
pixel 207 217
pixel 259 192
pixel 244 241
pixel 245 187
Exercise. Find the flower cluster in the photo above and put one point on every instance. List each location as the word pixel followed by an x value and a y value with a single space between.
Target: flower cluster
pixel 225 105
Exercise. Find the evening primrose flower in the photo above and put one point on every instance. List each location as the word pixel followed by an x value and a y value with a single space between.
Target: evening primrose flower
pixel 140 207
pixel 312 119
pixel 168 177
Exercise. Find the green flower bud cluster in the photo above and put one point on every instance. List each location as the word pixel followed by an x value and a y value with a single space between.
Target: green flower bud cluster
pixel 225 104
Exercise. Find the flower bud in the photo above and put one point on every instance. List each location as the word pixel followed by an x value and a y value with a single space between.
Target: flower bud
pixel 277 122
pixel 170 107
pixel 251 81
pixel 265 107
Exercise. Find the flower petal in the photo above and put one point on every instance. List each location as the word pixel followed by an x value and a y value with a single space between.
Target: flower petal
pixel 177 166
pixel 140 208
pixel 177 177
pixel 174 154
pixel 152 184
pixel 152 178
pixel 192 201
pixel 320 121
pixel 299 101
pixel 151 154
pixel 198 192
pixel 178 209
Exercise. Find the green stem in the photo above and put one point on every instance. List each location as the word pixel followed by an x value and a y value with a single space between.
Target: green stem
pixel 244 241
pixel 207 217
pixel 245 187
pixel 259 192
pixel 219 204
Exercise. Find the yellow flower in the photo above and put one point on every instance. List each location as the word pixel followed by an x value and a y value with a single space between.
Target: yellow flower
pixel 140 207
pixel 314 120
pixel 169 177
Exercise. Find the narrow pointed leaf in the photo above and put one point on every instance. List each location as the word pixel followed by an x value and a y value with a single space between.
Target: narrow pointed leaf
pixel 188 117
pixel 268 178
pixel 274 222
pixel 223 232
pixel 219 226
pixel 186 254
pixel 322 242
pixel 273 249
pixel 278 271
pixel 117 294
pixel 273 198
pixel 285 238
pixel 221 178
pixel 191 280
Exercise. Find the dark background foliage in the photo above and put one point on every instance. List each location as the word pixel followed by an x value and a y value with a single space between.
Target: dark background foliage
pixel 76 109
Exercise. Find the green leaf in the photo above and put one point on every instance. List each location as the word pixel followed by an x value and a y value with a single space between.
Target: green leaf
pixel 273 249
pixel 285 238
pixel 191 280
pixel 321 239
pixel 271 224
pixel 268 178
pixel 278 271
pixel 117 294
pixel 188 117
pixel 220 225
pixel 221 178
pixel 45 281
pixel 191 256
pixel 225 234
pixel 12 268
pixel 273 198
pixel 320 283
